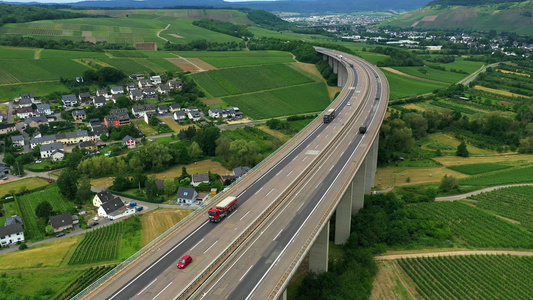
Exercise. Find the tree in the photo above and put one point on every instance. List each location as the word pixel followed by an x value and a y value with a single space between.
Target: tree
pixel 49 229
pixel 68 183
pixel 448 183
pixel 184 173
pixel 154 121
pixel 170 187
pixel 206 139
pixel 44 210
pixel 461 150
pixel 84 190
pixel 121 183
pixel 23 246
pixel 195 151
pixel 151 189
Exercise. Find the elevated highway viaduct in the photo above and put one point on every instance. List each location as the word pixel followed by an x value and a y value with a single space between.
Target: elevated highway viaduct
pixel 285 206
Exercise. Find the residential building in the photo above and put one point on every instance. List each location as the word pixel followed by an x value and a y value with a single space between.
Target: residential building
pixel 79 115
pixel 155 79
pixel 85 97
pixel 48 149
pixel 44 109
pixel 89 145
pixel 7 128
pixel 117 90
pixel 14 220
pixel 147 116
pixel 98 131
pixel 180 116
pixel 186 195
pixel 118 117
pixel 24 112
pixel 175 84
pixel 139 110
pixel 35 121
pixel 18 140
pixel 69 100
pixel 4 170
pixel 115 209
pixel 103 93
pixel 241 171
pixel 11 234
pixel 115 97
pixel 202 197
pixel 42 140
pixel 163 89
pixel 61 222
pixel 26 96
pixel 75 137
pixel 128 141
pixel 57 155
pixel 25 102
pixel 149 92
pixel 102 197
pixel 136 95
pixel 197 179
pixel 99 101
pixel 131 87
pixel 144 83
pixel 162 109
pixel 174 107
pixel 215 113
pixel 136 76
pixel 227 179
pixel 194 115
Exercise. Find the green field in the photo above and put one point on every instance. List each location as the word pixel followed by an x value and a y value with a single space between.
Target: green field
pixel 45 283
pixel 511 176
pixel 39 89
pixel 471 277
pixel 476 228
pixel 239 80
pixel 29 202
pixel 401 87
pixel 262 139
pixel 98 245
pixel 83 281
pixel 432 74
pixel 16 53
pixel 312 97
pixel 224 59
pixel 513 203
pixel 288 35
pixel 474 169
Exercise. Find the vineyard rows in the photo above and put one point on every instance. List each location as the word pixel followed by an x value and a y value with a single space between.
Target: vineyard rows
pixel 511 176
pixel 472 277
pixel 475 227
pixel 474 169
pixel 99 245
pixel 514 203
pixel 90 276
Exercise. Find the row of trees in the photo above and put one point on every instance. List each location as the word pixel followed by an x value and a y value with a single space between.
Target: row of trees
pixel 228 28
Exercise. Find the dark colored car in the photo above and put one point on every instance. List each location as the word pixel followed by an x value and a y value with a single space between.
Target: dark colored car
pixel 94 224
pixel 184 261
pixel 60 234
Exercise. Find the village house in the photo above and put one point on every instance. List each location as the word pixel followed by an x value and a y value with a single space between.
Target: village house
pixel 155 79
pixel 4 170
pixel 147 116
pixel 99 101
pixel 13 220
pixel 11 234
pixel 98 131
pixel 28 96
pixel 163 89
pixel 85 97
pixel 18 140
pixel 149 92
pixel 115 97
pixel 103 93
pixel 118 117
pixel 139 110
pixel 79 115
pixel 44 109
pixel 75 137
pixel 42 140
pixel 202 197
pixel 227 179
pixel 186 195
pixel 131 87
pixel 215 113
pixel 61 222
pixel 24 112
pixel 102 197
pixel 174 107
pixel 7 128
pixel 117 90
pixel 175 84
pixel 128 141
pixel 197 179
pixel 88 145
pixel 194 115
pixel 115 209
pixel 136 76
pixel 241 171
pixel 144 83
pixel 35 121
pixel 180 116
pixel 136 95
pixel 69 100
pixel 48 150
pixel 25 102
pixel 162 109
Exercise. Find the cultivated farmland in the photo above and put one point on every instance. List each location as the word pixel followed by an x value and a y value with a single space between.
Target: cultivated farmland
pixel 477 228
pixel 29 202
pixel 472 277
pixel 99 245
pixel 402 87
pixel 511 176
pixel 242 58
pixel 513 203
pixel 475 169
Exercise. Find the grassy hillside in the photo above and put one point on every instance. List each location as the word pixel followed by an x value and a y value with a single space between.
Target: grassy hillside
pixel 514 17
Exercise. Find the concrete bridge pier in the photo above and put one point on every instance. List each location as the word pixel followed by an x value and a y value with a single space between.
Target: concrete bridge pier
pixel 319 252
pixel 342 76
pixel 283 296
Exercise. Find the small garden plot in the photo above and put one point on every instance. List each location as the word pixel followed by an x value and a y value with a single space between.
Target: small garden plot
pixel 471 277
pixel 475 227
pixel 474 169
pixel 513 203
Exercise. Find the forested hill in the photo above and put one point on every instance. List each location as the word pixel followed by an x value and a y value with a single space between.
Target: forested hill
pixel 469 2
pixel 25 13
pixel 447 15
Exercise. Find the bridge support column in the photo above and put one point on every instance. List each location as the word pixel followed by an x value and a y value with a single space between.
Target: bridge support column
pixel 335 66
pixel 375 148
pixel 343 216
pixel 283 296
pixel 319 252
pixel 359 183
pixel 342 75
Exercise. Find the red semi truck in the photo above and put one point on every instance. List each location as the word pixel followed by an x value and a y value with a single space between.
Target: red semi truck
pixel 219 212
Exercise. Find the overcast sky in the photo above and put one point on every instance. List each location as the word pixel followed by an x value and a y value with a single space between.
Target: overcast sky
pixel 71 1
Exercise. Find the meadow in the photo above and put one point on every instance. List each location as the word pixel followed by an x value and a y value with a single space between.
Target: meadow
pixel 29 202
pixel 264 140
pixel 312 97
pixel 16 186
pixel 239 80
pixel 476 228
pixel 513 203
pixel 225 59
pixel 432 74
pixel 402 87
pixel 471 277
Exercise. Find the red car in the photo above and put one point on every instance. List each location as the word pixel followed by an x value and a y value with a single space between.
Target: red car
pixel 184 261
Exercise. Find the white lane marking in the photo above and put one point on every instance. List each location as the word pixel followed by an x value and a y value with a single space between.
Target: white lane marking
pixel 303 223
pixel 326 135
pixel 331 168
pixel 269 192
pixel 278 173
pixel 304 158
pixel 295 158
pixel 246 272
pixel 317 146
pixel 233 213
pixel 162 291
pixel 244 215
pixel 277 235
pixel 300 206
pixel 210 247
pixel 161 258
pixel 197 244
pixel 258 191
pixel 288 174
pixel 318 135
pixel 146 287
